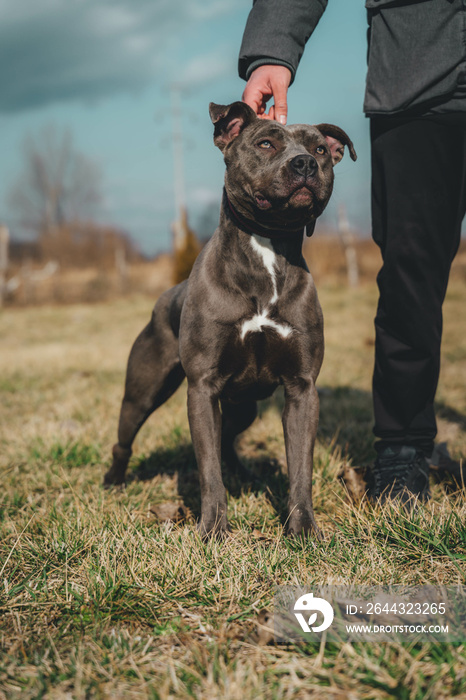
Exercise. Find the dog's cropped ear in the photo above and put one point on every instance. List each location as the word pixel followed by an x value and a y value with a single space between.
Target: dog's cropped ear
pixel 337 139
pixel 229 121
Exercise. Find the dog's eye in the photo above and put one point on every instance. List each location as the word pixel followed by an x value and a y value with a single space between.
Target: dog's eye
pixel 265 144
pixel 321 150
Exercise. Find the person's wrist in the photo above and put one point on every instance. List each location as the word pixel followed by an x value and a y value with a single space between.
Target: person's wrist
pixel 267 61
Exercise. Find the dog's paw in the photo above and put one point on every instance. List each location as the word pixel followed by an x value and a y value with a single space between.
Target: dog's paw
pixel 112 478
pixel 218 528
pixel 115 476
pixel 301 523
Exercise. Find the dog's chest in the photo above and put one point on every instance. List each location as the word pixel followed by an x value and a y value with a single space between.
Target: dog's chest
pixel 264 320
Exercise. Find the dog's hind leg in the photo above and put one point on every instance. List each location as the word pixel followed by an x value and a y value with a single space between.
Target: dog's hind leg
pixel 154 373
pixel 236 417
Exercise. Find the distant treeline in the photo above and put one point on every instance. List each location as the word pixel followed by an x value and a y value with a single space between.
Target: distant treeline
pixel 77 245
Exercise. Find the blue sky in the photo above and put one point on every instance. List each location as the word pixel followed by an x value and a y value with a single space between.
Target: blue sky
pixel 102 68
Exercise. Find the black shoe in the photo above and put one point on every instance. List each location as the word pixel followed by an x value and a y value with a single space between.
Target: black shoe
pixel 399 473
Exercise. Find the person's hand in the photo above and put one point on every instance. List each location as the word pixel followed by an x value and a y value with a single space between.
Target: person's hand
pixel 266 82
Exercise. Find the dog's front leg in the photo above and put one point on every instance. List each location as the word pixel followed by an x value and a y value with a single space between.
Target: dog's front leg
pixel 300 420
pixel 205 422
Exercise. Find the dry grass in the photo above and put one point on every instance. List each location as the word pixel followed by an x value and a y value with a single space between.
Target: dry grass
pixel 89 284
pixel 100 600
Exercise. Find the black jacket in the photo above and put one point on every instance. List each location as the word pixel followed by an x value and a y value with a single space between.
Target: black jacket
pixel 416 56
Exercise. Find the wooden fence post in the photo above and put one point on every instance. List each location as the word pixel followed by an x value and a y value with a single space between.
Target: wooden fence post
pixel 347 239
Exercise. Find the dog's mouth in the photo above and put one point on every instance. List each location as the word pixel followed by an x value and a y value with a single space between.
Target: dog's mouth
pixel 302 195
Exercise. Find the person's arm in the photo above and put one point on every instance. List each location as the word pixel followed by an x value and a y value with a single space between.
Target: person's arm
pixel 273 43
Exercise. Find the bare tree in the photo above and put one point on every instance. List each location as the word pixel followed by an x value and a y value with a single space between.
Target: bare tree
pixel 57 184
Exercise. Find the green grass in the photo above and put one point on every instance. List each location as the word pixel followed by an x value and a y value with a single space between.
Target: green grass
pixel 100 600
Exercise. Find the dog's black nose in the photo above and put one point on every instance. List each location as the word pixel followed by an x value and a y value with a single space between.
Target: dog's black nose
pixel 304 165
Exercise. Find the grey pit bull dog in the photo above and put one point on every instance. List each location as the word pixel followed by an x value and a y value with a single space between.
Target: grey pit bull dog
pixel 248 318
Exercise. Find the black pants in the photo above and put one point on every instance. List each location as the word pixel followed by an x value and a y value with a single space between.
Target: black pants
pixel 418 203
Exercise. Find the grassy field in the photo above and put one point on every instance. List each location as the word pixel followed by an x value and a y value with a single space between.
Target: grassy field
pixel 98 599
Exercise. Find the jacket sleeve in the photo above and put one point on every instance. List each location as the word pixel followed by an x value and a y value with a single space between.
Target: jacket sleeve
pixel 276 33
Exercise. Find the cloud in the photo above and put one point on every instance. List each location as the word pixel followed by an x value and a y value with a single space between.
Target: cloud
pixel 207 67
pixel 89 49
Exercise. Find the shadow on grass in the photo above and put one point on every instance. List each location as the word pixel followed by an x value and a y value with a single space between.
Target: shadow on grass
pixel 259 476
pixel 451 415
pixel 346 420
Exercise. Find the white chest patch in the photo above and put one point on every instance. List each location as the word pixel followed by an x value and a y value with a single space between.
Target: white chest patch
pixel 263 247
pixel 256 324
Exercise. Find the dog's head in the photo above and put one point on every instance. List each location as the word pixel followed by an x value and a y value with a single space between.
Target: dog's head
pixel 279 176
